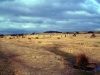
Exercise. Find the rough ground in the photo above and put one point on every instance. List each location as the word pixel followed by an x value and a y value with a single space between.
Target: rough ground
pixel 47 55
pixel 34 60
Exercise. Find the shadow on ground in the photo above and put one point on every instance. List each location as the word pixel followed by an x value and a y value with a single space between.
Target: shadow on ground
pixel 5 65
pixel 30 69
pixel 69 57
pixel 6 69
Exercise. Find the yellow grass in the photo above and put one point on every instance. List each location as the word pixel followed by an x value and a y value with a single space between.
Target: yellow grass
pixel 36 54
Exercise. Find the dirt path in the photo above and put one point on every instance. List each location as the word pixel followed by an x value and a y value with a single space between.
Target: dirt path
pixel 34 60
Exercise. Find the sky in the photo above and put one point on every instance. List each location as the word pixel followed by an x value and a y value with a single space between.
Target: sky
pixel 28 16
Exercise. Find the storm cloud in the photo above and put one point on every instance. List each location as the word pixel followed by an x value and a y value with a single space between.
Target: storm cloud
pixel 27 16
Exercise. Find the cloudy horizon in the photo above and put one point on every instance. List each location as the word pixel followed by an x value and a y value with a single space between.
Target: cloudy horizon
pixel 27 16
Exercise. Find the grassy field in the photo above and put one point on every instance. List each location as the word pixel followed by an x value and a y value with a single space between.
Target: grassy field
pixel 48 54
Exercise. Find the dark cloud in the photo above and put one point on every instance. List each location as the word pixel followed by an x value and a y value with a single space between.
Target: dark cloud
pixel 15 30
pixel 45 10
pixel 5 0
pixel 49 14
pixel 12 31
pixel 98 1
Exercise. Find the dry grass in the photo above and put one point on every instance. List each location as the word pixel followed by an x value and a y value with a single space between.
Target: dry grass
pixel 5 65
pixel 45 55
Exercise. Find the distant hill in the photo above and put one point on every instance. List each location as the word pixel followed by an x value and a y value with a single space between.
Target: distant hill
pixel 68 32
pixel 52 32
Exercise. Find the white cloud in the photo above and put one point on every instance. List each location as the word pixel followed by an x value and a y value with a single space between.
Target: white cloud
pixel 92 5
pixel 78 13
pixel 31 2
pixel 29 25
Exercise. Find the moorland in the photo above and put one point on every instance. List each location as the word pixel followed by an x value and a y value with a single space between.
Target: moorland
pixel 47 54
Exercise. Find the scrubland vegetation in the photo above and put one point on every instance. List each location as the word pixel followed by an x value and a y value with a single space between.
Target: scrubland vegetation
pixel 51 54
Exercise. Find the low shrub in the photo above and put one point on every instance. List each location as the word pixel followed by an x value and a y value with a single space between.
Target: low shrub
pixel 81 61
pixel 74 34
pixel 29 38
pixel 93 35
pixel 58 37
pixel 10 38
pixel 36 37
